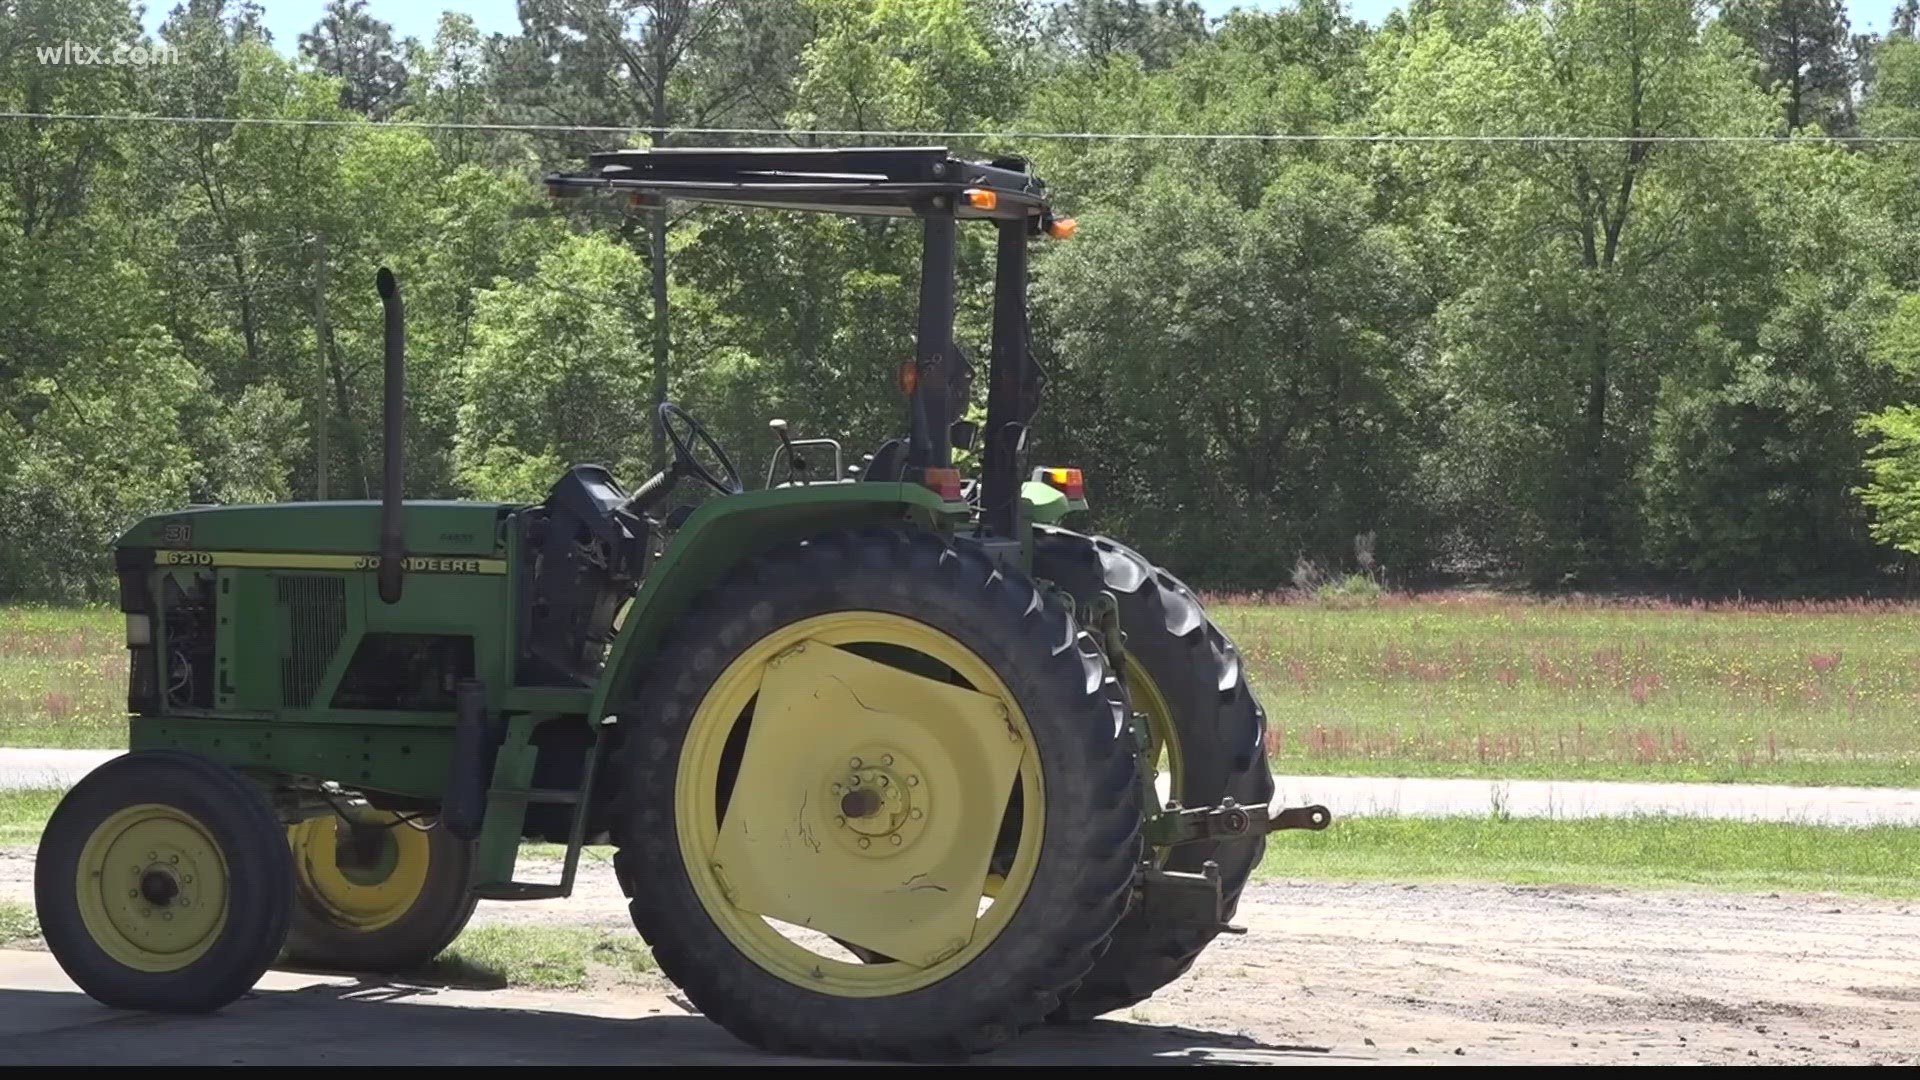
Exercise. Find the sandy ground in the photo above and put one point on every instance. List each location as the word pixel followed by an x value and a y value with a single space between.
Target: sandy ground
pixel 1465 974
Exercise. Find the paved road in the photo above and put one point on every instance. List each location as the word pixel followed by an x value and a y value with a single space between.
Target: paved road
pixel 1359 796
pixel 1351 796
pixel 47 768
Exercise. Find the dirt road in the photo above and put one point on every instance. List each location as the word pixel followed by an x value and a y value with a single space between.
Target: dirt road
pixel 1447 974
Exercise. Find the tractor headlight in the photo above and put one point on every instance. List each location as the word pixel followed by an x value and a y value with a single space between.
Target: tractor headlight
pixel 139 631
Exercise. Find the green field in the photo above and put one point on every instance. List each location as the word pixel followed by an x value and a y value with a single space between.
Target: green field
pixel 1480 685
pixel 1643 852
pixel 63 677
pixel 1455 685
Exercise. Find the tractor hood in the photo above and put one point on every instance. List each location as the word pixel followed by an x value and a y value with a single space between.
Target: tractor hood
pixel 347 528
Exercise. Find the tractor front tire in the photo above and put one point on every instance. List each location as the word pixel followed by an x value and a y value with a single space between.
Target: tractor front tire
pixel 817 748
pixel 375 894
pixel 1185 674
pixel 163 883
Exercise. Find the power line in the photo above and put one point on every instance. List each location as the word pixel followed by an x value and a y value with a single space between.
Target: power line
pixel 1083 136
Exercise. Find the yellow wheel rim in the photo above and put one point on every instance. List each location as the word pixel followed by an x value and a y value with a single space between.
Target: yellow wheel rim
pixel 152 888
pixel 720 778
pixel 361 885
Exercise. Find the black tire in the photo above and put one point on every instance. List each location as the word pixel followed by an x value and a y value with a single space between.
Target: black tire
pixel 1221 730
pixel 439 911
pixel 1088 857
pixel 233 826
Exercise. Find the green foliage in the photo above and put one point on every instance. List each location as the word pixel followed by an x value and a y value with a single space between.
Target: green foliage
pixel 553 374
pixel 1560 360
pixel 1894 465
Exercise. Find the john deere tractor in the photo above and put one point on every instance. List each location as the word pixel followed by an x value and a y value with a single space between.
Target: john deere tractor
pixel 892 763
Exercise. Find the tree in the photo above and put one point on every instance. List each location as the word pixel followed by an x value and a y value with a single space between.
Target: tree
pixel 1237 371
pixel 652 64
pixel 1892 489
pixel 357 49
pixel 1563 313
pixel 1906 20
pixel 553 378
pixel 1805 52
pixel 1154 31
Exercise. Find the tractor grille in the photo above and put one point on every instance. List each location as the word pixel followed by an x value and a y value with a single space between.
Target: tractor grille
pixel 317 618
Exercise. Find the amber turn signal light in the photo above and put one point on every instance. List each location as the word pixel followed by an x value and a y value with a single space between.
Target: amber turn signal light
pixel 944 481
pixel 1068 481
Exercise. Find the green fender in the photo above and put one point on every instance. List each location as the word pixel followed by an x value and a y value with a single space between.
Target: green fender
pixel 724 531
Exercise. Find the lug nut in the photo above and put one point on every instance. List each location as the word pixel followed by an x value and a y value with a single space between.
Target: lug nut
pixel 865 843
pixel 855 763
pixel 895 838
pixel 887 760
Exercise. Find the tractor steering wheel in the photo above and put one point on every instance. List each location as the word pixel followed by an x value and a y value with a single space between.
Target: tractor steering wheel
pixel 726 484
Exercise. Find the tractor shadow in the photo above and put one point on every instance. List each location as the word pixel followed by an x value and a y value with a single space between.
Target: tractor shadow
pixel 377 1021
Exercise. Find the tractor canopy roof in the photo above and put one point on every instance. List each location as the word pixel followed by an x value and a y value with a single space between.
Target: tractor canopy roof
pixel 894 181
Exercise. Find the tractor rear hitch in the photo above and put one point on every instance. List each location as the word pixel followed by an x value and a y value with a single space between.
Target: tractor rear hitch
pixel 1228 821
pixel 1180 899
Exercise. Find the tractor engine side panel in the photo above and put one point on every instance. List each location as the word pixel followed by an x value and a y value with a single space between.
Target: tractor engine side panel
pixel 291 662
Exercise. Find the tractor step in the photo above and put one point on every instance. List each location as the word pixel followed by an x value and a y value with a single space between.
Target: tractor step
pixel 519 890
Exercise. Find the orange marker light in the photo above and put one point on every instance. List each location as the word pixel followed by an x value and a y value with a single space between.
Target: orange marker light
pixel 1062 228
pixel 1067 480
pixel 981 198
pixel 944 481
pixel 909 377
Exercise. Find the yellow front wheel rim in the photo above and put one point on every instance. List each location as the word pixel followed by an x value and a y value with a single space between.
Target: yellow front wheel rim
pixel 152 884
pixel 702 796
pixel 363 889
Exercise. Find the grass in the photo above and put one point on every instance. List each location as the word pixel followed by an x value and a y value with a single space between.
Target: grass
pixel 1491 686
pixel 544 957
pixel 1642 852
pixel 24 813
pixel 18 926
pixel 63 677
pixel 1445 685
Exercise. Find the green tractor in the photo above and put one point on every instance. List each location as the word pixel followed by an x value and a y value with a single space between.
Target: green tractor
pixel 892 763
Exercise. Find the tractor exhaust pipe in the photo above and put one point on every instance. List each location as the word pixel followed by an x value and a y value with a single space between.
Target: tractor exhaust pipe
pixel 391 537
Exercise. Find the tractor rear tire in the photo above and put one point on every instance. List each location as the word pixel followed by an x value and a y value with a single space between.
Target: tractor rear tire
pixel 1179 663
pixel 1065 872
pixel 163 883
pixel 389 912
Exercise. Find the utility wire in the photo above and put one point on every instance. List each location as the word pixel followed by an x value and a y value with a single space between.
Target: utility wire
pixel 1084 136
